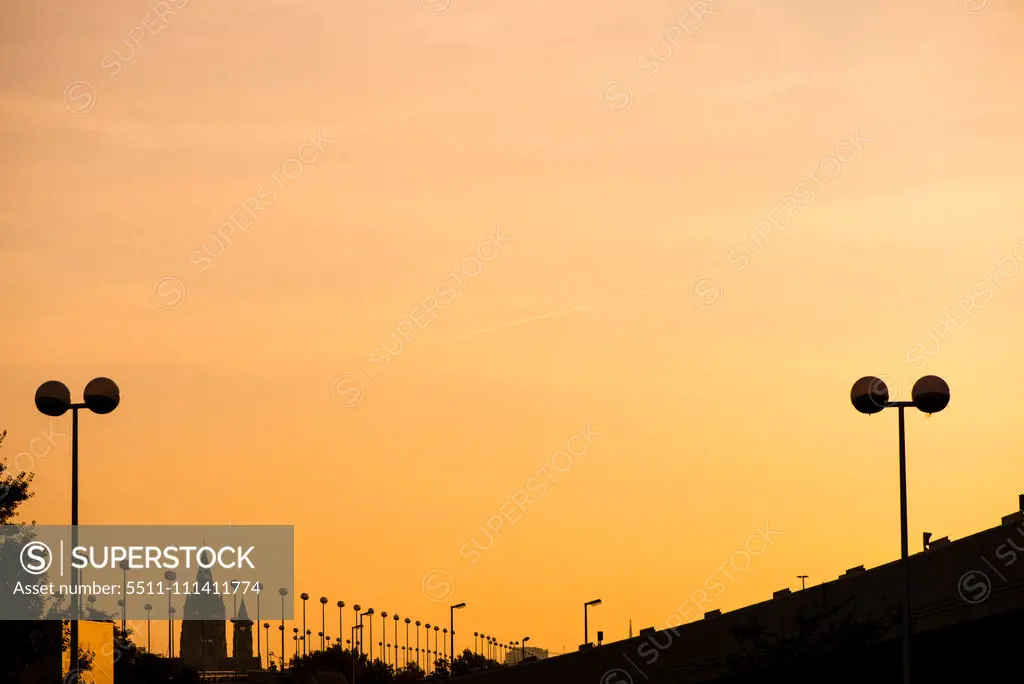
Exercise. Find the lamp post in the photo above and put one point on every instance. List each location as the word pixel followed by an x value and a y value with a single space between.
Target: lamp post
pixel 395 616
pixel 451 623
pixel 323 620
pixel 426 654
pixel 53 399
pixel 428 661
pixel 257 587
pixel 295 638
pixel 803 581
pixel 170 576
pixel 283 592
pixel 369 613
pixel 359 618
pixel 341 622
pixel 417 643
pixel 444 643
pixel 354 628
pixel 586 633
pixel 148 607
pixel 406 659
pixel 305 597
pixel 124 594
pixel 171 611
pixel 383 634
pixel 929 395
pixel 523 654
pixel 266 629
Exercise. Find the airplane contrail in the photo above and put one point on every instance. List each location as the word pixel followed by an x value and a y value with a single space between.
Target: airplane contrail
pixel 520 321
pixel 592 307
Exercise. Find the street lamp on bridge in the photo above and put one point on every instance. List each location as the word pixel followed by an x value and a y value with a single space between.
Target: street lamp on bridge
pixel 586 633
pixel 930 394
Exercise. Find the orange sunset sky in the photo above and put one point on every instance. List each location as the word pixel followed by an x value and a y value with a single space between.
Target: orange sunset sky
pixel 629 174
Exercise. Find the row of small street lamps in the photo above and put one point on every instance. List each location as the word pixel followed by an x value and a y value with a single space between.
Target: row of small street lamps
pixel 483 644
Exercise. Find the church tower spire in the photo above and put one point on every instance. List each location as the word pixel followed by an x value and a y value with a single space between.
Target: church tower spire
pixel 241 652
pixel 203 627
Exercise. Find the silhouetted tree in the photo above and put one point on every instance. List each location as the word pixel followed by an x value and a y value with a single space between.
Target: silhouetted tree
pixel 410 673
pixel 133 666
pixel 26 644
pixel 440 670
pixel 305 669
pixel 468 662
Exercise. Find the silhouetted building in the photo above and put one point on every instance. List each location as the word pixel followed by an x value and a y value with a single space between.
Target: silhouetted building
pixel 204 643
pixel 243 659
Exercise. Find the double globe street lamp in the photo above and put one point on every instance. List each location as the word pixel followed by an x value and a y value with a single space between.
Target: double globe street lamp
pixel 53 399
pixel 929 395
